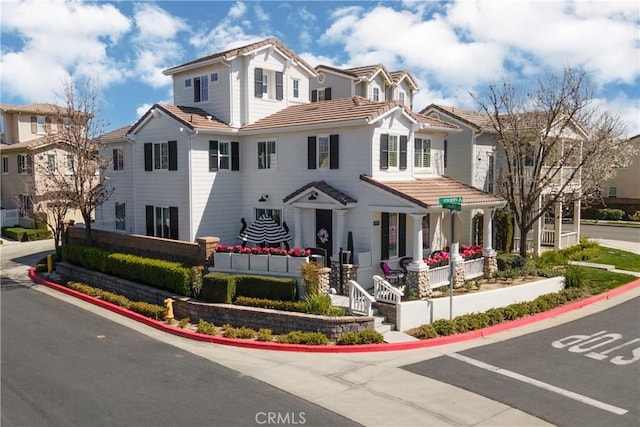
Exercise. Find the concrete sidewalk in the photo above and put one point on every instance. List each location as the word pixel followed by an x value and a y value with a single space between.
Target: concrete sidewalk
pixel 369 388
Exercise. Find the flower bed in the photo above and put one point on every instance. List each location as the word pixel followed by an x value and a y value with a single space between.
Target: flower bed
pixel 276 260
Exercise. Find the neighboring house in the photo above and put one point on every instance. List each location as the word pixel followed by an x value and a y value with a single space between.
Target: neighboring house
pixel 473 156
pixel 623 190
pixel 372 82
pixel 245 140
pixel 28 154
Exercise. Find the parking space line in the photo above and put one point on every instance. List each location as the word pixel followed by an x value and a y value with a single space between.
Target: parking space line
pixel 571 395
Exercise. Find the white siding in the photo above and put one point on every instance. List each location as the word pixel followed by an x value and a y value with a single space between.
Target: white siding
pixel 218 94
pixel 122 183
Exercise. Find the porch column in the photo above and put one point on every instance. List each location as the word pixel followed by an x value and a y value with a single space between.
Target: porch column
pixel 297 226
pixel 487 236
pixel 557 226
pixel 339 231
pixel 577 204
pixel 538 226
pixel 416 250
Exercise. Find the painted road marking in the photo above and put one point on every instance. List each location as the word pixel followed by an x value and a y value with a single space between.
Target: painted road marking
pixel 540 384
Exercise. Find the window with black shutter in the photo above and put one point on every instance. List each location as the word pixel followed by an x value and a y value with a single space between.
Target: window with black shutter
pixel 402 235
pixel 384 151
pixel 279 85
pixel 403 152
pixel 149 220
pixel 314 97
pixel 173 155
pixel 213 156
pixel 235 156
pixel 384 235
pixel 257 73
pixel 173 222
pixel 148 156
pixel 327 94
pixel 334 152
pixel 311 152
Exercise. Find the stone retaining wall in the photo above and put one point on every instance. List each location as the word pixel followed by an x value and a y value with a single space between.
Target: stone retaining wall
pixel 220 314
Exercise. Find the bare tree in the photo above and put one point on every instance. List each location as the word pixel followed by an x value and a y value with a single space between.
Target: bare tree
pixel 553 142
pixel 78 182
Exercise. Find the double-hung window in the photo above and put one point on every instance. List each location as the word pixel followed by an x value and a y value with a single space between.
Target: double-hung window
pixel 266 155
pixel 393 235
pixel 490 173
pixel 296 88
pixel 323 94
pixel 422 153
pixel 275 214
pixel 121 216
pixel 70 163
pixel 323 152
pixel 376 94
pixel 24 163
pixel 118 159
pixel 401 97
pixel 162 221
pixel 161 155
pixel 51 164
pixel 224 155
pixel 201 88
pixel 38 125
pixel 268 84
pixel 393 151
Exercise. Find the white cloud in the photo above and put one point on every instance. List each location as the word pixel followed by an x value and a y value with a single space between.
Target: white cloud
pixel 237 10
pixel 45 58
pixel 155 45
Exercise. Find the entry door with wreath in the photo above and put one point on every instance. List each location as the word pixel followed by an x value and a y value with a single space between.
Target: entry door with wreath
pixel 324 230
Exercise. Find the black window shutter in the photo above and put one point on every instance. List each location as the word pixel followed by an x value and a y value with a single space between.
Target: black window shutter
pixel 213 155
pixel 403 152
pixel 384 234
pixel 235 156
pixel 257 73
pixel 384 151
pixel 173 155
pixel 148 156
pixel 311 152
pixel 314 96
pixel 334 152
pixel 150 225
pixel 327 94
pixel 279 86
pixel 402 235
pixel 173 222
pixel 445 153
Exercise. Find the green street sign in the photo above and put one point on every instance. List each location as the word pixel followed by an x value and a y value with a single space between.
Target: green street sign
pixel 452 206
pixel 454 199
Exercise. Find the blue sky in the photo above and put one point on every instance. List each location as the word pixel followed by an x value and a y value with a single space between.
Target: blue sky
pixel 452 48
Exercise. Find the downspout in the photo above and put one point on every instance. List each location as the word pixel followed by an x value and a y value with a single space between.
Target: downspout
pixel 190 189
pixel 228 65
pixel 131 139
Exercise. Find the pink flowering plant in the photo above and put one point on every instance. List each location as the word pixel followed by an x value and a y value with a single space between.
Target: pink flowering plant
pixel 298 252
pixel 439 260
pixel 238 249
pixel 224 249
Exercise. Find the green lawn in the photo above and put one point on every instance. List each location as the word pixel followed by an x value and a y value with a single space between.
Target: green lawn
pixel 633 224
pixel 599 281
pixel 621 259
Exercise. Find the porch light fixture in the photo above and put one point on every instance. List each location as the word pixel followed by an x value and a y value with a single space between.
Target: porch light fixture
pixel 263 198
pixel 313 195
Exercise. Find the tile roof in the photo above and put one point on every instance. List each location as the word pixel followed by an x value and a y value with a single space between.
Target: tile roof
pixel 368 71
pixel 191 117
pixel 230 53
pixel 38 108
pixel 336 70
pixel 426 192
pixel 338 110
pixel 116 134
pixel 324 188
pixel 32 144
pixel 475 119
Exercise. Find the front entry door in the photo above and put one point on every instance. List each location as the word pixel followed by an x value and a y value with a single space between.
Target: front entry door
pixel 324 230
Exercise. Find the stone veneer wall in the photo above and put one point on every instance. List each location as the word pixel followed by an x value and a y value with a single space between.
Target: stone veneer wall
pixel 341 284
pixel 220 314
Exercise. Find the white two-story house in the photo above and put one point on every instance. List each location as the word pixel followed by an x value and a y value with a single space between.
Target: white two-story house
pixel 243 139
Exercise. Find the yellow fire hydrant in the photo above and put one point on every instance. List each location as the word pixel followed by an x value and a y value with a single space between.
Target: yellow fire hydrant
pixel 169 304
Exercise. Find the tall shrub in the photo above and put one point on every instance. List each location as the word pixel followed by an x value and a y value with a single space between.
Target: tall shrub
pixel 503 220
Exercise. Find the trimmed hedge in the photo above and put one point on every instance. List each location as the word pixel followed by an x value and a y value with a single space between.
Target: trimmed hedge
pixel 218 288
pixel 276 288
pixel 295 306
pixel 26 234
pixel 167 275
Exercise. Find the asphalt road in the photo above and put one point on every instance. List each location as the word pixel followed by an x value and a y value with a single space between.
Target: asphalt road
pixel 62 366
pixel 624 234
pixel 585 372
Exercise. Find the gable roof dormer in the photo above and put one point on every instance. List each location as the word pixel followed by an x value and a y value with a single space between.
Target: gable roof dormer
pixel 246 50
pixel 368 73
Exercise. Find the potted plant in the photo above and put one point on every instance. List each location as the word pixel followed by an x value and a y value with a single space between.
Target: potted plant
pixel 278 260
pixel 258 259
pixel 297 256
pixel 222 257
pixel 240 258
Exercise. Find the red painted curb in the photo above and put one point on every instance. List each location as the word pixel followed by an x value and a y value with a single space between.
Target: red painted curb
pixel 260 345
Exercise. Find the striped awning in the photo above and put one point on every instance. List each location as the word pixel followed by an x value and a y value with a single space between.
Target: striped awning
pixel 264 230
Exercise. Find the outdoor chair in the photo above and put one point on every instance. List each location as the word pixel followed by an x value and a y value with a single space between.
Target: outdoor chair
pixel 403 264
pixel 395 277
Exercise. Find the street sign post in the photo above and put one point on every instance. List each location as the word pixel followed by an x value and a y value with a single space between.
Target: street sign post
pixel 453 203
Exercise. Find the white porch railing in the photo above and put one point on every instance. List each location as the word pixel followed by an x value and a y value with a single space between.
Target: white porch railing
pixel 548 237
pixel 568 239
pixel 359 300
pixel 384 291
pixel 473 268
pixel 438 276
pixel 516 244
